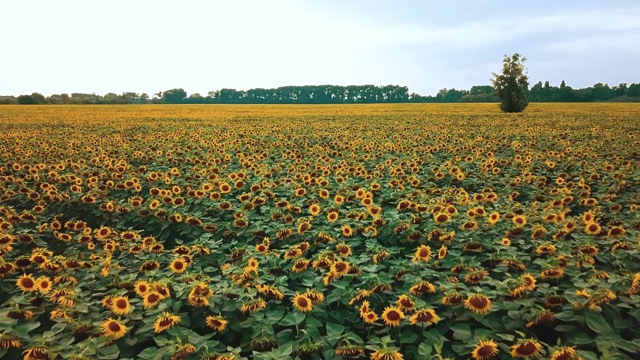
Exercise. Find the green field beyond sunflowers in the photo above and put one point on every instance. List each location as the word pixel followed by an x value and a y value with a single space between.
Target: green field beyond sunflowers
pixel 320 232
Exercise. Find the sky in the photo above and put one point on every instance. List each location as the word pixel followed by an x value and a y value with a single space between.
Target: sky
pixel 144 46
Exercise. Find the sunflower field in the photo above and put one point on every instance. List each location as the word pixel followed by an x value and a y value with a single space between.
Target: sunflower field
pixel 380 232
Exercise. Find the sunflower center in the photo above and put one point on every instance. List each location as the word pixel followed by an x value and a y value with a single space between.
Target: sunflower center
pixel 486 350
pixel 27 283
pixel 478 302
pixel 121 304
pixel 165 322
pixel 153 298
pixel 526 349
pixel 302 302
pixel 393 315
pixel 114 326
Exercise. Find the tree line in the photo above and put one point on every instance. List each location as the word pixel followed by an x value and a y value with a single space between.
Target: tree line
pixel 333 94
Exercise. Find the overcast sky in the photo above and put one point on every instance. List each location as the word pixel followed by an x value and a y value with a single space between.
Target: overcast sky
pixel 150 46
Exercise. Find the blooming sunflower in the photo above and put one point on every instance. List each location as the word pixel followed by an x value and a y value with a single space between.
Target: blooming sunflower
pixel 392 316
pixel 253 306
pixel 142 288
pixel 302 303
pixel 217 323
pixel 406 303
pixel 27 283
pixel 386 354
pixel 300 265
pixel 565 353
pixel 120 305
pixel 165 321
pixel 44 284
pixel 178 266
pixel 113 328
pixel 423 253
pixel 424 316
pixel 478 303
pixel 423 287
pixel 442 252
pixel 485 350
pixel 347 231
pixel 528 348
pixel 369 317
pixel 552 273
pixel 519 220
pixel 340 268
pixel 151 299
pixel 592 228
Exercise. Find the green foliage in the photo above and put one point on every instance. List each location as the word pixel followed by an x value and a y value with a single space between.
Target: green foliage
pixel 511 86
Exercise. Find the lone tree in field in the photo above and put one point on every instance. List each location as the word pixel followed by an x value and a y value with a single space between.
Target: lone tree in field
pixel 511 86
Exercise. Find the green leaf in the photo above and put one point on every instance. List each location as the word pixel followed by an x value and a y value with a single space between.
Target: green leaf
pixel 292 319
pixel 507 337
pixel 22 330
pixel 596 322
pixel 110 352
pixel 408 337
pixel 565 315
pixel 425 350
pixel 334 330
pixel 461 331
pixel 565 328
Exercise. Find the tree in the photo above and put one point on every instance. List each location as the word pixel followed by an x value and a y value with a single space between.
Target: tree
pixel 511 86
pixel 174 96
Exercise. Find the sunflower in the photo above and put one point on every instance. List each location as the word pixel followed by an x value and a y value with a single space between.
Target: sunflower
pixel 526 283
pixel 178 266
pixel 151 299
pixel 343 249
pixel 519 220
pixel 302 303
pixel 27 283
pixel 423 287
pixel 546 249
pixel 392 316
pixel 165 321
pixel 347 231
pixel 528 348
pixel 120 305
pixel 441 218
pixel 552 273
pixel 332 216
pixel 565 353
pixel 300 265
pixel 478 303
pixel 217 323
pixel 253 306
pixel 425 317
pixel 423 253
pixel 543 316
pixel 494 217
pixel 369 317
pixel 405 303
pixel 340 268
pixel 303 227
pixel 386 354
pixel 8 341
pixel 592 228
pixel 485 350
pixel 44 284
pixel 442 252
pixel 314 209
pixel 113 328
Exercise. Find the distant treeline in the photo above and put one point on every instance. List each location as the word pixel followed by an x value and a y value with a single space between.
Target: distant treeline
pixel 332 94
